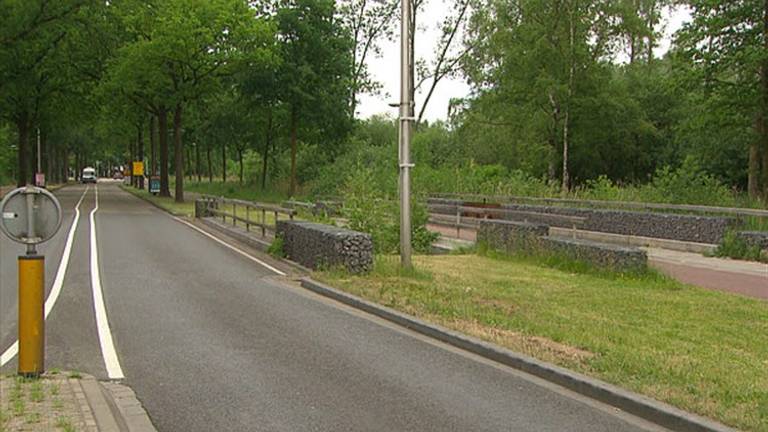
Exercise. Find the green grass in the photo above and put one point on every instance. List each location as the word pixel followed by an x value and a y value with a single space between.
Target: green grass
pixel 703 351
pixel 75 375
pixel 186 209
pixel 64 424
pixel 33 418
pixel 36 392
pixel 733 246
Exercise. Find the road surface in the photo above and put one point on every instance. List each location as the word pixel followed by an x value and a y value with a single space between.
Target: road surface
pixel 212 341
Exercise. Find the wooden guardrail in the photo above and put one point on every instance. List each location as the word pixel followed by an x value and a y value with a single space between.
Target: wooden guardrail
pixel 736 211
pixel 227 208
pixel 459 218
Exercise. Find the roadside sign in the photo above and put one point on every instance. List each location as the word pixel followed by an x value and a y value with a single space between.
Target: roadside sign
pixel 30 215
pixel 40 179
pixel 154 184
pixel 138 168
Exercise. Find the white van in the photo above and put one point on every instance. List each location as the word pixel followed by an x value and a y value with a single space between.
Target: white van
pixel 88 176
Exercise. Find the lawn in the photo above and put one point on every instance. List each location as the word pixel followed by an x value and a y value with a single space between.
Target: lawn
pixel 699 350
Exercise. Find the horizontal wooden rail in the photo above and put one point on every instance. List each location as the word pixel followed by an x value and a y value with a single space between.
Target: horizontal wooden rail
pixel 220 206
pixel 571 220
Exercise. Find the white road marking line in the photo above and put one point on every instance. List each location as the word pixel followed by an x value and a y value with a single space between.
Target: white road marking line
pixel 222 242
pixel 58 282
pixel 111 362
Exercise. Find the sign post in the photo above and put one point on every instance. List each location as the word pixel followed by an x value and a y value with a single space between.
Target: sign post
pixel 31 215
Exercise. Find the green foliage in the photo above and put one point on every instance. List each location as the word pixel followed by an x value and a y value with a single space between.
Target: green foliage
pixel 370 210
pixel 7 156
pixel 277 248
pixel 733 246
pixel 688 184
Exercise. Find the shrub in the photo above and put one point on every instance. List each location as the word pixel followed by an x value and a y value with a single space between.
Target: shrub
pixel 371 211
pixel 276 249
pixel 733 246
pixel 688 184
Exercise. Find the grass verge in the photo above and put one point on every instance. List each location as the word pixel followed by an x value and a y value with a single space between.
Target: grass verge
pixel 248 192
pixel 702 351
pixel 186 209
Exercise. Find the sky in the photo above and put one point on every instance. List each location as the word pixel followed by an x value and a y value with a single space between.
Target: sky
pixel 386 69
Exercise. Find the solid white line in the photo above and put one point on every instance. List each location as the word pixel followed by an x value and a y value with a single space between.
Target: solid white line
pixel 58 282
pixel 114 371
pixel 222 242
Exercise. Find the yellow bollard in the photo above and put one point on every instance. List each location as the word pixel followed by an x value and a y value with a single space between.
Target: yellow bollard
pixel 31 315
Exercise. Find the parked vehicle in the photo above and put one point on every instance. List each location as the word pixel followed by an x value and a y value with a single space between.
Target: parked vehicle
pixel 88 175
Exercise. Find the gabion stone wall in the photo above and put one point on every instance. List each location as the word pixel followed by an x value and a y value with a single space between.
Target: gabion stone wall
pixel 701 229
pixel 529 238
pixel 619 258
pixel 316 245
pixel 201 208
pixel 509 236
pixel 755 238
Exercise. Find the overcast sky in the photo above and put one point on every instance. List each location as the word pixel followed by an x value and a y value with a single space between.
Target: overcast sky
pixel 386 69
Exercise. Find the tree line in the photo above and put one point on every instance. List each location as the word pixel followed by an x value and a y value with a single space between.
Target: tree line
pixel 563 91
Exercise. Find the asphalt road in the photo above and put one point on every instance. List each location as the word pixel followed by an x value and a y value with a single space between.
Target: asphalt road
pixel 211 341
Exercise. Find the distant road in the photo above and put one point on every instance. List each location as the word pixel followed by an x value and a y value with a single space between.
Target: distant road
pixel 211 341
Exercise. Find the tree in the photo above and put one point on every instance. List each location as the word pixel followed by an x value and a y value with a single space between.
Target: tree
pixel 315 72
pixel 368 21
pixel 546 56
pixel 177 58
pixel 727 45
pixel 446 63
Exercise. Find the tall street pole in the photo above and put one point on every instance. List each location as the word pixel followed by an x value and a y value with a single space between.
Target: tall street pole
pixel 39 160
pixel 406 117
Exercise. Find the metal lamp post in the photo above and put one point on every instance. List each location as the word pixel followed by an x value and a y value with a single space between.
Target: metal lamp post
pixel 406 118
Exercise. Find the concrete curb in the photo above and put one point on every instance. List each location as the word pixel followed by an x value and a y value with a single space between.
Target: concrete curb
pixel 109 406
pixel 657 412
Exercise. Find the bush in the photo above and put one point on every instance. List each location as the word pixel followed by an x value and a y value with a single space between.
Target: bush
pixel 277 248
pixel 688 184
pixel 369 210
pixel 733 246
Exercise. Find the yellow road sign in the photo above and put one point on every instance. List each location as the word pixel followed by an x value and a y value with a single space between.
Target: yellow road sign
pixel 138 168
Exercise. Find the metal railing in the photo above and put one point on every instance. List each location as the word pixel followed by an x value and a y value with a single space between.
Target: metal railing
pixel 240 211
pixel 467 216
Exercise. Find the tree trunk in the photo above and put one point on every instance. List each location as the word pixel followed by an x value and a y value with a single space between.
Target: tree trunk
pixel 566 118
pixel 210 165
pixel 152 146
pixel 240 161
pixel 267 145
pixel 753 171
pixel 223 162
pixel 22 126
pixel 179 150
pixel 293 151
pixel 162 126
pixel 764 105
pixel 140 153
pixel 198 169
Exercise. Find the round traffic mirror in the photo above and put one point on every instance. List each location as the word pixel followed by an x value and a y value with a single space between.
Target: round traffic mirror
pixel 30 215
